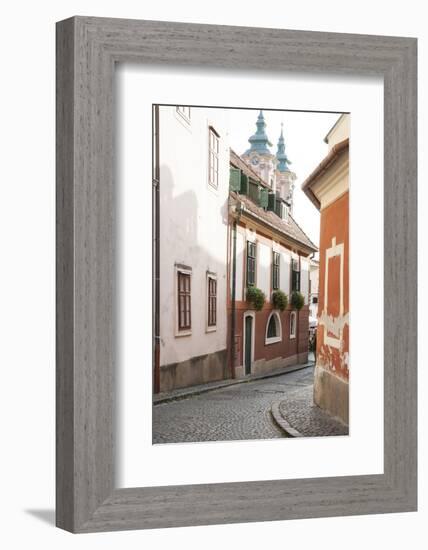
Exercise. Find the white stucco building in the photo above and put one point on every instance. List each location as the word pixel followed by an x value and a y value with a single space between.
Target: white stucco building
pixel 206 329
pixel 193 158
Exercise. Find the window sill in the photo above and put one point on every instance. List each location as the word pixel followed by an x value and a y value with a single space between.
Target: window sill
pixel 274 340
pixel 292 336
pixel 180 333
pixel 211 329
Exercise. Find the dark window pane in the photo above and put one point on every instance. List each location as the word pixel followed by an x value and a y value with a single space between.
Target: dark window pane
pixel 272 330
pixel 212 301
pixel 184 304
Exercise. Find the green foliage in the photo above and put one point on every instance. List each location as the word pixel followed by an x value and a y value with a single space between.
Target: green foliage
pixel 297 300
pixel 256 297
pixel 279 300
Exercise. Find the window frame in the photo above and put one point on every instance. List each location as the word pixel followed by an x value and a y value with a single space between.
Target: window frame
pixel 211 277
pixel 184 330
pixel 213 155
pixel 278 337
pixel 284 212
pixel 248 257
pixel 182 114
pixel 276 270
pixel 297 271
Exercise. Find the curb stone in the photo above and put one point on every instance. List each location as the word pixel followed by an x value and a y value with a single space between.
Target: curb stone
pixel 281 422
pixel 190 392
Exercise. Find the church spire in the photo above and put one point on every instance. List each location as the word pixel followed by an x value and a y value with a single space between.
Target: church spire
pixel 282 158
pixel 259 141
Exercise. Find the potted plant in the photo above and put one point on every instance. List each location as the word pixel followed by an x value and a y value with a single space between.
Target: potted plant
pixel 297 300
pixel 279 300
pixel 256 297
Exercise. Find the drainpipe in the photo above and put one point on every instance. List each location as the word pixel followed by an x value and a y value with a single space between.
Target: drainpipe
pixel 233 300
pixel 156 255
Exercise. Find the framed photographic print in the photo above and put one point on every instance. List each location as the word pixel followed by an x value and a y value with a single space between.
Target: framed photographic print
pixel 236 274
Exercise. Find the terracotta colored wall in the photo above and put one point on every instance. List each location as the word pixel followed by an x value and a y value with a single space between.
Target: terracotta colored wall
pixel 287 347
pixel 334 228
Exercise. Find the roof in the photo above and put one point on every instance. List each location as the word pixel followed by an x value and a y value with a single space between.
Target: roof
pixel 335 152
pixel 288 228
pixel 236 160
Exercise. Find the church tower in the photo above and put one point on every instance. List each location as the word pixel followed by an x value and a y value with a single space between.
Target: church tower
pixel 259 156
pixel 284 177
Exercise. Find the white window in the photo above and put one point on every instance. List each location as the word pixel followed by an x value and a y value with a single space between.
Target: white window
pixel 213 156
pixel 184 112
pixel 284 212
pixel 183 300
pixel 211 302
pixel 273 329
pixel 293 324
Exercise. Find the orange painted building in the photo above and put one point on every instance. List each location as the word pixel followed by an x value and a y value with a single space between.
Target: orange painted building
pixel 328 188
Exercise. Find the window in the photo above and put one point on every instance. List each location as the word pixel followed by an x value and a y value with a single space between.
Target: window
pixel 284 212
pixel 213 154
pixel 314 299
pixel 212 301
pixel 295 275
pixel 184 301
pixel 251 263
pixel 184 112
pixel 275 271
pixel 293 324
pixel 273 329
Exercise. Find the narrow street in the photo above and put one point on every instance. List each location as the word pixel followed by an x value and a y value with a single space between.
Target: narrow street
pixel 240 411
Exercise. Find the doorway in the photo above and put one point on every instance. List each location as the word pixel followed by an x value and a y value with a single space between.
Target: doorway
pixel 248 348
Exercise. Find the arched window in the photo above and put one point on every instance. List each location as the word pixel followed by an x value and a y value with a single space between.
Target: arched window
pixel 293 324
pixel 273 329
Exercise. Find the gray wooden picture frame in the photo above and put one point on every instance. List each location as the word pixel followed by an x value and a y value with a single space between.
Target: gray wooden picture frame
pixel 87 50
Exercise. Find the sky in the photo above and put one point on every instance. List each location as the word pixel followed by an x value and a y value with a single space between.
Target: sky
pixel 304 134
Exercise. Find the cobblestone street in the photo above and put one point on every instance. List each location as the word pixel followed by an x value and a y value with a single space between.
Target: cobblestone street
pixel 240 411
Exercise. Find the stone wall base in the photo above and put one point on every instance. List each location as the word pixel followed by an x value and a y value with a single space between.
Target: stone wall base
pixel 331 394
pixel 194 371
pixel 263 366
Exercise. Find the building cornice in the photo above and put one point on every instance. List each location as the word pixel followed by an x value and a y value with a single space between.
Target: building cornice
pixel 326 164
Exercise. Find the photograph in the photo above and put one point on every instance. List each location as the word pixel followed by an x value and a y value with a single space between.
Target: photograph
pixel 251 273
pixel 211 323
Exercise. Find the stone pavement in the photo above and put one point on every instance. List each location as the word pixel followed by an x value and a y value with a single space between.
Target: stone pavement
pixel 182 393
pixel 235 412
pixel 299 417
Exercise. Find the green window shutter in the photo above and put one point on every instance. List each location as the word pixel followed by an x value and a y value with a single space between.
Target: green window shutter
pixel 278 206
pixel 271 201
pixel 264 197
pixel 254 192
pixel 244 184
pixel 235 179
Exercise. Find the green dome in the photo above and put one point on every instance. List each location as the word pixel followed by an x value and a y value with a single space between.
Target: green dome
pixel 281 156
pixel 259 141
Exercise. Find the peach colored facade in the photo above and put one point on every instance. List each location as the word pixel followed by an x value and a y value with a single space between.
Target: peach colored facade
pixel 328 188
pixel 333 304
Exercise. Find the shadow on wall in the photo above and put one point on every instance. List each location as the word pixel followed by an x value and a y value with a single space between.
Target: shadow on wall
pixel 189 236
